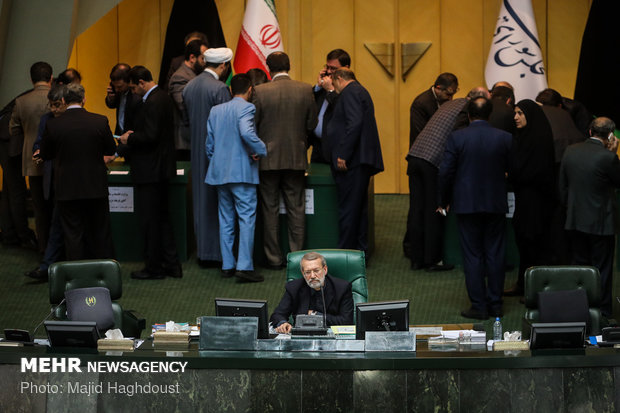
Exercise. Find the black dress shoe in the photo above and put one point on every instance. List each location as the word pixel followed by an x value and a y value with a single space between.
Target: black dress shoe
pixel 228 273
pixel 514 291
pixel 248 276
pixel 439 267
pixel 473 313
pixel 144 275
pixel 209 263
pixel 37 274
pixel 417 266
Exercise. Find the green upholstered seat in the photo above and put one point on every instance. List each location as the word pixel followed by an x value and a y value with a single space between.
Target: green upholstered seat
pixel 349 265
pixel 68 275
pixel 566 277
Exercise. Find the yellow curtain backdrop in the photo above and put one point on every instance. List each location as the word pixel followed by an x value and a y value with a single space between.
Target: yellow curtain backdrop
pixel 460 33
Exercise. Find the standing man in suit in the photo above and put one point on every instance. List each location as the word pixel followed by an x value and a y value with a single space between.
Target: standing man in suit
pixel 325 100
pixel 77 141
pixel 422 109
pixel 589 175
pixel 151 146
pixel 356 156
pixel 200 95
pixel 193 64
pixel 473 186
pixel 285 113
pixel 233 149
pixel 25 122
pixel 120 97
pixel 304 296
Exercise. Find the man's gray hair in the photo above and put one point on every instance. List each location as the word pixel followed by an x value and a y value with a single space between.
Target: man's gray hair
pixel 311 256
pixel 74 93
pixel 601 127
pixel 479 92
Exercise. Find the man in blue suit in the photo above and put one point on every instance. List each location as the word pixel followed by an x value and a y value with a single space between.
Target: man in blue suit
pixel 356 156
pixel 233 149
pixel 472 183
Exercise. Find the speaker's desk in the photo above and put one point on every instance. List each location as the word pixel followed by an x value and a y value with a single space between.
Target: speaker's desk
pixel 325 382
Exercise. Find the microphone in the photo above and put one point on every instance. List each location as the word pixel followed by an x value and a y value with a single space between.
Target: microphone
pixel 324 309
pixel 48 316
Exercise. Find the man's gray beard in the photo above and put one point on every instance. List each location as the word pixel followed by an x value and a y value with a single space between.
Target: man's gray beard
pixel 316 284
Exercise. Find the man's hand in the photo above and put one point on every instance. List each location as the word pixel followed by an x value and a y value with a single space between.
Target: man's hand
pixel 284 328
pixel 342 164
pixel 36 156
pixel 255 157
pixel 123 138
pixel 110 92
pixel 108 159
pixel 612 144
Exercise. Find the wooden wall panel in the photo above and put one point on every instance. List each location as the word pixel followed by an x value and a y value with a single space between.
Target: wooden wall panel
pixel 462 45
pixel 376 24
pixel 231 17
pixel 96 51
pixel 417 22
pixel 566 23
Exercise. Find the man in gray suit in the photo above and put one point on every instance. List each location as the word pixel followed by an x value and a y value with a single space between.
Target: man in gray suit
pixel 191 67
pixel 589 173
pixel 200 95
pixel 285 113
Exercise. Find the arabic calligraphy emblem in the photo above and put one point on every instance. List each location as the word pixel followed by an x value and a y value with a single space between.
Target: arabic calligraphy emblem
pixel 270 36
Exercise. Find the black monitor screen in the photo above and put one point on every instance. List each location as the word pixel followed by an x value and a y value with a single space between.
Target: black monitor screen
pixel 72 333
pixel 381 316
pixel 557 335
pixel 230 307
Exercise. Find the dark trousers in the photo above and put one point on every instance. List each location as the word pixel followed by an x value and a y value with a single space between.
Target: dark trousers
pixel 483 242
pixel 42 211
pixel 352 186
pixel 13 218
pixel 598 251
pixel 533 249
pixel 292 186
pixel 56 243
pixel 86 228
pixel 425 226
pixel 160 252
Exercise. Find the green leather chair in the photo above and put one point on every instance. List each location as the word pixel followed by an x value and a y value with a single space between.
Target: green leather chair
pixel 68 275
pixel 556 278
pixel 349 265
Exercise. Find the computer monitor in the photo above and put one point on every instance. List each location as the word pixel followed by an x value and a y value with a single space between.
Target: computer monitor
pixel 232 307
pixel 381 316
pixel 557 335
pixel 72 333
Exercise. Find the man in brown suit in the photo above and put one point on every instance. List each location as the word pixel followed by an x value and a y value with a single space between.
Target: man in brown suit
pixel 285 113
pixel 25 120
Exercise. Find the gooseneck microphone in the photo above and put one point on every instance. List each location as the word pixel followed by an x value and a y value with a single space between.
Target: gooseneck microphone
pixel 48 316
pixel 324 309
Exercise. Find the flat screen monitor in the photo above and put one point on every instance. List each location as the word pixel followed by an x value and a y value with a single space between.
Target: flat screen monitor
pixel 72 333
pixel 557 335
pixel 381 316
pixel 232 307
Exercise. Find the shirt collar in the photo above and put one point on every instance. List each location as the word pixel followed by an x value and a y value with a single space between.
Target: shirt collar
pixel 74 106
pixel 215 75
pixel 279 75
pixel 146 95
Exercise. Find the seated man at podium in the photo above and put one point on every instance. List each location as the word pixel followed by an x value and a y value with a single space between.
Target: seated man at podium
pixel 317 293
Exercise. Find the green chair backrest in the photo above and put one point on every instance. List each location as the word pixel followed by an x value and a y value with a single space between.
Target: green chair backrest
pixel 349 265
pixel 564 277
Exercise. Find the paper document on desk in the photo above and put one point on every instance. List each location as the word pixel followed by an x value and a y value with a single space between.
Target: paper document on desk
pixel 426 331
pixel 475 335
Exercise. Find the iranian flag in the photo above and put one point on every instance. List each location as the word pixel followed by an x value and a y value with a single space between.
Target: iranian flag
pixel 259 37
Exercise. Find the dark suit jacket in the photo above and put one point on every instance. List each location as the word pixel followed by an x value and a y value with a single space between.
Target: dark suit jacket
pixel 352 130
pixel 77 140
pixel 321 149
pixel 130 109
pixel 285 114
pixel 472 172
pixel 503 116
pixel 296 300
pixel 151 145
pixel 588 175
pixel 420 112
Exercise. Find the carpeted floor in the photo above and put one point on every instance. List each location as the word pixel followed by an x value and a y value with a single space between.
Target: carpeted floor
pixel 435 297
